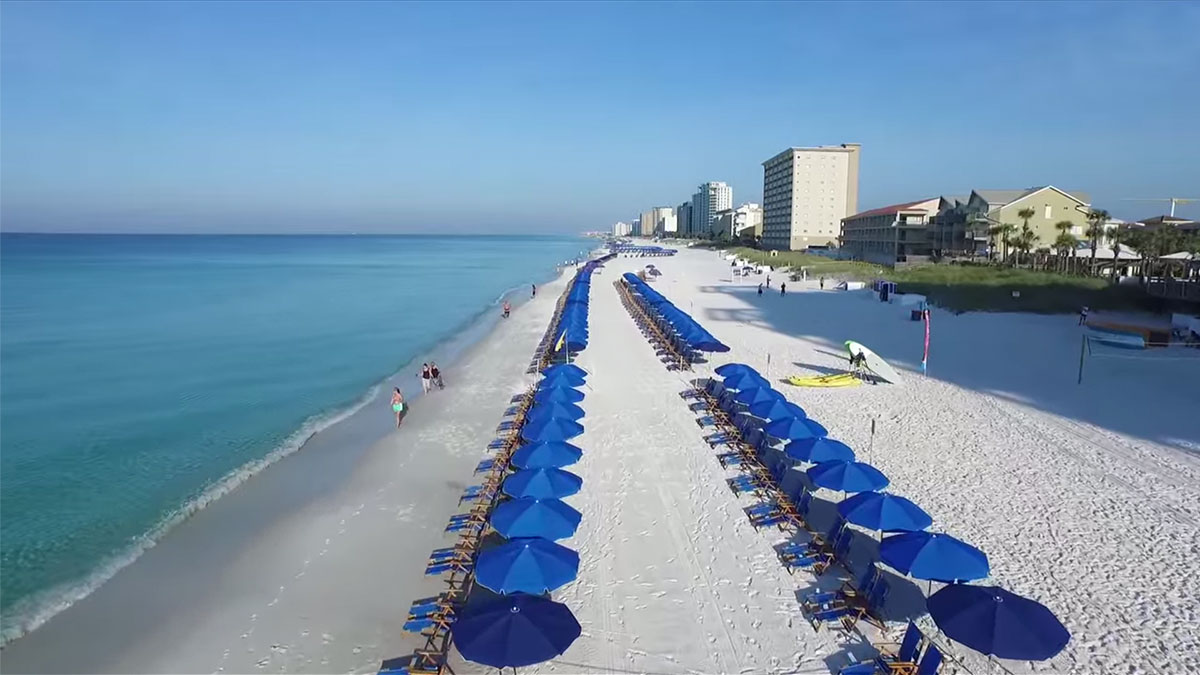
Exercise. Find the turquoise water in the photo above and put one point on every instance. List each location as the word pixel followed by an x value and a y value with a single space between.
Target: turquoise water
pixel 142 376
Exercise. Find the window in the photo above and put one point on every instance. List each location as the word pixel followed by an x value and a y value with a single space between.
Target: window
pixel 1049 212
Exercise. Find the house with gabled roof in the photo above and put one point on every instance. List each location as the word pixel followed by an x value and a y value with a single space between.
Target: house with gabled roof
pixel 960 227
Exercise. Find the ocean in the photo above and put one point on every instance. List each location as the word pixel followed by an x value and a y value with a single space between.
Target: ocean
pixel 142 377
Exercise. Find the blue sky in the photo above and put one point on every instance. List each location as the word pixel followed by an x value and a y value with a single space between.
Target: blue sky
pixel 374 117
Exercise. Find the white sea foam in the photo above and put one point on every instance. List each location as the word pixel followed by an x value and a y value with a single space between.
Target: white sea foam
pixel 38 608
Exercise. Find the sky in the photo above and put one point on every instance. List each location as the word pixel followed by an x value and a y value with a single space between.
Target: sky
pixel 542 117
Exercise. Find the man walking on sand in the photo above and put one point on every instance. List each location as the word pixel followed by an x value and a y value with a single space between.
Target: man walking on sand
pixel 533 291
pixel 783 288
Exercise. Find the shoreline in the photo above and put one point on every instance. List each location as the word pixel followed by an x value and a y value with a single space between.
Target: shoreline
pixel 43 607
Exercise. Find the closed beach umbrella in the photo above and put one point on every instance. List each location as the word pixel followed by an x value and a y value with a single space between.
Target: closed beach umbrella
pixel 746 380
pixel 847 476
pixel 994 621
pixel 882 511
pixel 562 379
pixel 817 450
pixel 514 631
pixel 731 368
pixel 529 517
pixel 526 565
pixel 562 410
pixel 777 409
pixel 559 394
pixel 934 556
pixel 542 483
pixel 540 455
pixel 550 429
pixel 571 368
pixel 757 395
pixel 791 429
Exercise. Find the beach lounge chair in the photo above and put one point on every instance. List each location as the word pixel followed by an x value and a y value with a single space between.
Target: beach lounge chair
pixel 871 610
pixel 438 567
pixel 465 525
pixel 423 662
pixel 897 659
pixel 848 593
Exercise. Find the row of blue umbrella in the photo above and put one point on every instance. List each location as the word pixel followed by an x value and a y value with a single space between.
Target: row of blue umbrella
pixel 988 619
pixel 682 324
pixel 521 627
pixel 572 325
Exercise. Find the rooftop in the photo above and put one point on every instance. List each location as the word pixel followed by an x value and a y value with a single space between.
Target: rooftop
pixel 926 205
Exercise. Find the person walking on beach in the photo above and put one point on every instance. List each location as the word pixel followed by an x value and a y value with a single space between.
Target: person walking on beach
pixel 768 281
pixel 507 309
pixel 822 283
pixel 435 376
pixel 1083 312
pixel 533 290
pixel 783 288
pixel 760 289
pixel 398 405
pixel 425 375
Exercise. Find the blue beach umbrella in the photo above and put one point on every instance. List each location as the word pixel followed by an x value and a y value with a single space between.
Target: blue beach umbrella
pixel 571 368
pixel 550 429
pixel 529 517
pixel 515 630
pixel 994 621
pixel 742 381
pixel 526 565
pixel 847 476
pixel 543 455
pixel 817 450
pixel 560 380
pixel 882 511
pixel 562 410
pixel 816 428
pixel 934 556
pixel 559 394
pixel 542 483
pixel 757 395
pixel 777 409
pixel 792 429
pixel 731 368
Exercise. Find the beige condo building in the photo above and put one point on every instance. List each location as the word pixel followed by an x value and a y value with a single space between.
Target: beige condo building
pixel 806 194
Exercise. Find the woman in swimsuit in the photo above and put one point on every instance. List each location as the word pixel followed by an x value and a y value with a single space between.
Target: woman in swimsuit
pixel 398 405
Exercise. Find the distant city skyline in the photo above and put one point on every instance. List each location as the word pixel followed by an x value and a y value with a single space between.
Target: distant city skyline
pixel 460 118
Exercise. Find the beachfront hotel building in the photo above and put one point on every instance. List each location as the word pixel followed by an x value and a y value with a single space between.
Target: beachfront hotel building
pixel 806 194
pixel 622 229
pixel 683 219
pixel 657 221
pixel 890 235
pixel 710 198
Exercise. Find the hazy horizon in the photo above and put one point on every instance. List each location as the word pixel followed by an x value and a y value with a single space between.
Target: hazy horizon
pixel 382 118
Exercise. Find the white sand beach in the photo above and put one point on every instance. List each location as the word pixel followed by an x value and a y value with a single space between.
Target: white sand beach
pixel 1085 497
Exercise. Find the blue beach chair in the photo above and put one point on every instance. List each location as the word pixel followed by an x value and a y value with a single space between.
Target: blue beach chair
pixel 848 593
pixel 900 661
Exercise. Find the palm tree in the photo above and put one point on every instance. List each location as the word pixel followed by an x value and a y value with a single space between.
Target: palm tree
pixel 1118 236
pixel 1006 230
pixel 1062 243
pixel 993 232
pixel 1024 242
pixel 1096 219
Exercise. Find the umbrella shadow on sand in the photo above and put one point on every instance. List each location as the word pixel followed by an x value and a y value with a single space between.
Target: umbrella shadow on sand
pixel 906 599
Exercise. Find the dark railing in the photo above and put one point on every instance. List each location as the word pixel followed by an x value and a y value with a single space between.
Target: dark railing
pixel 1174 288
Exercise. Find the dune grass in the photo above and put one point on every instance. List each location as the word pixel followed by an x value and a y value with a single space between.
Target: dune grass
pixel 974 288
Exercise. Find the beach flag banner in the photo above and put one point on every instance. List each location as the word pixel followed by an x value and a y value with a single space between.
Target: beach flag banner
pixel 925 357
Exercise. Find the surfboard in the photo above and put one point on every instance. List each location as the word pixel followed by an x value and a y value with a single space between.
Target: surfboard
pixel 874 363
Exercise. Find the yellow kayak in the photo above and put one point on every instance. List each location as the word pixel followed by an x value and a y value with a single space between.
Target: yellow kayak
pixel 839 380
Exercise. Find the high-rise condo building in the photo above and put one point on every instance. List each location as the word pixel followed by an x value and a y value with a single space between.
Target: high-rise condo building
pixel 710 198
pixel 806 194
